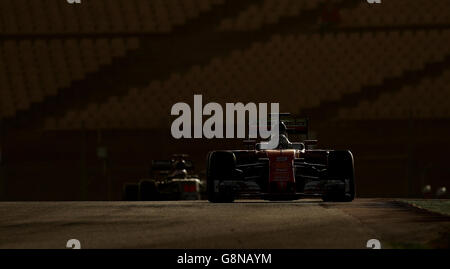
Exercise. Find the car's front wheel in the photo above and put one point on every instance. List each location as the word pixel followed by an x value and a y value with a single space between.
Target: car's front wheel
pixel 341 173
pixel 220 167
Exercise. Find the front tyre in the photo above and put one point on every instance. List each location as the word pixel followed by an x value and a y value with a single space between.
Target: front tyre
pixel 220 168
pixel 340 186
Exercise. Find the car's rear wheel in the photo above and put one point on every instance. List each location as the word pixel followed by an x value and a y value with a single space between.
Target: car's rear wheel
pixel 341 174
pixel 220 168
pixel 131 192
pixel 148 191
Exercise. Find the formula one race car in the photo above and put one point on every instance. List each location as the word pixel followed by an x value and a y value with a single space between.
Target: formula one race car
pixel 289 172
pixel 170 180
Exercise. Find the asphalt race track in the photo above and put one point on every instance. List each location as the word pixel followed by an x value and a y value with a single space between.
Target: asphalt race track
pixel 199 224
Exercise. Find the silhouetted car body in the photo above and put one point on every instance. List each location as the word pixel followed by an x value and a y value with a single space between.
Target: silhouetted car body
pixel 289 172
pixel 171 180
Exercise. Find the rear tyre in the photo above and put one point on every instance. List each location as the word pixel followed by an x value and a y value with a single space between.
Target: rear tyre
pixel 220 168
pixel 148 191
pixel 340 168
pixel 130 192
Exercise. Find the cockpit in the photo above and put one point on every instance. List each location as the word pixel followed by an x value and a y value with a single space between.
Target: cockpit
pixel 283 140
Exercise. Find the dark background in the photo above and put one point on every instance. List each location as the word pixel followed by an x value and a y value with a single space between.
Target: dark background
pixel 105 73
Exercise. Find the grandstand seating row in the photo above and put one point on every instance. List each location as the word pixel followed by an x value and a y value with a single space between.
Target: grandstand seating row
pixel 151 16
pixel 97 16
pixel 298 71
pixel 429 99
pixel 268 12
pixel 389 13
pixel 33 70
pixel 398 13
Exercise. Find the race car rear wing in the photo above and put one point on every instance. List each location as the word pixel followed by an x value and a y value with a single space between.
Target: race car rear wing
pixel 161 165
pixel 294 125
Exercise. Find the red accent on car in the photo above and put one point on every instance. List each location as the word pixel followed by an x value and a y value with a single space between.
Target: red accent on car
pixel 281 170
pixel 189 188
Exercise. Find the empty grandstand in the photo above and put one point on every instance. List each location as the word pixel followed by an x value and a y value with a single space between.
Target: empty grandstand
pixel 78 79
pixel 322 70
pixel 32 70
pixel 398 13
pixel 427 100
pixel 53 17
